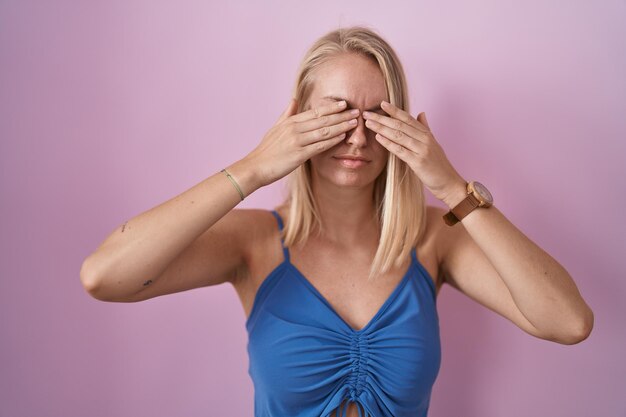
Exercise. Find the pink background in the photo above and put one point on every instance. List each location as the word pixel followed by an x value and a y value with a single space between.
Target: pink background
pixel 109 108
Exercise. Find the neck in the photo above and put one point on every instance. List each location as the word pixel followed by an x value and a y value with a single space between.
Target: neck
pixel 348 213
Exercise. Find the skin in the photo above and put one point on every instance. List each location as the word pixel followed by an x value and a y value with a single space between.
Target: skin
pixel 344 196
pixel 484 256
pixel 487 257
pixel 339 190
pixel 348 242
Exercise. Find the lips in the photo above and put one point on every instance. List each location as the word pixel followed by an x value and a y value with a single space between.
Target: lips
pixel 352 157
pixel 351 161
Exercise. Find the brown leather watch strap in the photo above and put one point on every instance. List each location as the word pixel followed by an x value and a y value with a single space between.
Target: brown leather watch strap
pixel 461 210
pixel 449 218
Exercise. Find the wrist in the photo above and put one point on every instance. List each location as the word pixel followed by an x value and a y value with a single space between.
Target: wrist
pixel 245 176
pixel 455 194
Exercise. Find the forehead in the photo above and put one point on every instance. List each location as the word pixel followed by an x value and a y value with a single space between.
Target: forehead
pixel 354 78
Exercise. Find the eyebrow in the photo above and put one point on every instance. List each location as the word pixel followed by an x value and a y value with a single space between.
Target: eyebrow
pixel 349 104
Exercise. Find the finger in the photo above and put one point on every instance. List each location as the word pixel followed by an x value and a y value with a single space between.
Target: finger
pixel 326 132
pixel 320 111
pixel 397 137
pixel 400 151
pixel 413 143
pixel 323 145
pixel 400 114
pixel 422 119
pixel 388 124
pixel 326 120
pixel 289 111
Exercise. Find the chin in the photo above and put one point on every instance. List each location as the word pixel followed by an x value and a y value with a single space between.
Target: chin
pixel 342 176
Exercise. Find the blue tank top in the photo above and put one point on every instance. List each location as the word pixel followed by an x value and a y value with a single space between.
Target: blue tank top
pixel 305 360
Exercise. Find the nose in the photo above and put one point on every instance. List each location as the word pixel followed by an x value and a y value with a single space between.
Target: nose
pixel 358 135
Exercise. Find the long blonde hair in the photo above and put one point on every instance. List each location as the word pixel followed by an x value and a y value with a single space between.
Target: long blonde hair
pixel 398 193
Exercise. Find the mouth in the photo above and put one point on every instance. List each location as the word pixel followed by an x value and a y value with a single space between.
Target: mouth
pixel 352 163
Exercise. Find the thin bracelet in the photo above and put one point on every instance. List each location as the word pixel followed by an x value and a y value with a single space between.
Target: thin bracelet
pixel 234 183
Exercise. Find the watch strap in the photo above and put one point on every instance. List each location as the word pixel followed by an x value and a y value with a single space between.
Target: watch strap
pixel 458 212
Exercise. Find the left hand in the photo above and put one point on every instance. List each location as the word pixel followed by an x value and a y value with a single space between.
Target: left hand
pixel 412 141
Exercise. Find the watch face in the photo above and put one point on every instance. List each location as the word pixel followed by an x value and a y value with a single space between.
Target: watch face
pixel 483 191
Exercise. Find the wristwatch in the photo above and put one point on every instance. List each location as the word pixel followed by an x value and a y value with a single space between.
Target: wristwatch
pixel 477 196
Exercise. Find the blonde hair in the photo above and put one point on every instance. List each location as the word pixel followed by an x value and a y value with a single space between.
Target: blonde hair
pixel 398 193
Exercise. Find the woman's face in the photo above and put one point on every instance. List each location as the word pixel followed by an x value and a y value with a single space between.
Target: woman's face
pixel 360 82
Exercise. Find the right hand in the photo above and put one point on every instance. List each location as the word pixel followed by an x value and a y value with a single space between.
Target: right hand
pixel 295 138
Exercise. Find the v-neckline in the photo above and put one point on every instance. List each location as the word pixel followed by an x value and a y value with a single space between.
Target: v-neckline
pixel 380 311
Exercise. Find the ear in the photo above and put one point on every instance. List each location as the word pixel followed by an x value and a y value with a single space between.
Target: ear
pixel 422 119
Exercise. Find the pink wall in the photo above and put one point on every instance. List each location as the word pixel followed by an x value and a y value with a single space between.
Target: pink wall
pixel 109 108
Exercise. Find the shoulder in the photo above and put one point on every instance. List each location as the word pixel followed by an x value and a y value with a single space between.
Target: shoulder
pixel 434 212
pixel 437 230
pixel 262 252
pixel 447 238
pixel 254 225
pixel 256 229
pixel 247 223
pixel 434 220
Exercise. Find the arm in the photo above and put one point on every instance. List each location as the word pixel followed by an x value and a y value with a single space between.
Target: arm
pixel 487 258
pixel 180 244
pixel 174 246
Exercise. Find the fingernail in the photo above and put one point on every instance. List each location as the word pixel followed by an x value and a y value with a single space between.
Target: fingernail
pixel 384 103
pixel 341 103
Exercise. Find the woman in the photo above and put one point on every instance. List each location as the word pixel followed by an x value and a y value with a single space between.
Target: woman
pixel 341 309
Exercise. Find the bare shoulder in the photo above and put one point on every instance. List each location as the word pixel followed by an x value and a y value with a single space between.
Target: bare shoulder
pixel 262 253
pixel 435 219
pixel 262 247
pixel 437 234
pixel 256 228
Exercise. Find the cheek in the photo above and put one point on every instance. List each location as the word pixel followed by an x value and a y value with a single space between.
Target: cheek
pixel 379 148
pixel 332 150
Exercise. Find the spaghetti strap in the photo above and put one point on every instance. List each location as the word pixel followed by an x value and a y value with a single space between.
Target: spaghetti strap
pixel 280 229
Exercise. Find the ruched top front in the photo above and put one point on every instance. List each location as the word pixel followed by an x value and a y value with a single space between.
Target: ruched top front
pixel 305 360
